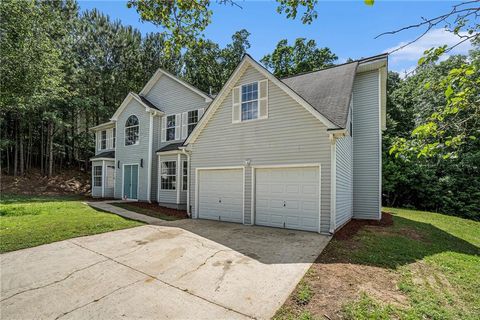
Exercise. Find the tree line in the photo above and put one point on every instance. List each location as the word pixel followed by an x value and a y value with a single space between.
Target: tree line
pixel 63 71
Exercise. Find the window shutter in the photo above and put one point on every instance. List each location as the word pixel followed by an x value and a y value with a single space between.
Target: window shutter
pixel 201 111
pixel 178 121
pixel 236 110
pixel 184 125
pixel 263 99
pixel 163 134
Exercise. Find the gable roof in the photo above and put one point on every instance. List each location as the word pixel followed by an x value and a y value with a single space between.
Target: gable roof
pixel 160 72
pixel 234 77
pixel 142 100
pixel 329 91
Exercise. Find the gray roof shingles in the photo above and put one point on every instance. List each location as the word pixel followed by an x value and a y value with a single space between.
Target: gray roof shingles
pixel 328 91
pixel 106 154
pixel 170 147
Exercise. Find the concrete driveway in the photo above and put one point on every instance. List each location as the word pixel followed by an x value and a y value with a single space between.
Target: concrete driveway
pixel 189 269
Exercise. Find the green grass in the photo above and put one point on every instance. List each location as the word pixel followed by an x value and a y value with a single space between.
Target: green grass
pixel 149 212
pixel 436 258
pixel 28 221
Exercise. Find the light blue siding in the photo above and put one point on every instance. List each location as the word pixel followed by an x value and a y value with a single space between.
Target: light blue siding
pixel 366 146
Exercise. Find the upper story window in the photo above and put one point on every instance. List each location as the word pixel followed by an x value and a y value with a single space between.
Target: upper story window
pixel 171 125
pixel 103 140
pixel 249 101
pixel 192 120
pixel 114 137
pixel 131 131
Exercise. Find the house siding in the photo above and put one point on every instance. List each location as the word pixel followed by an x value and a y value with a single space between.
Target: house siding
pixel 290 135
pixel 366 146
pixel 344 181
pixel 172 98
pixel 134 153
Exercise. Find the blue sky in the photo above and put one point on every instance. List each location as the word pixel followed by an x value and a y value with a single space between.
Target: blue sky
pixel 348 28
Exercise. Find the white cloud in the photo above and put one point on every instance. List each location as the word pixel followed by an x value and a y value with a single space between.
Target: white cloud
pixel 406 58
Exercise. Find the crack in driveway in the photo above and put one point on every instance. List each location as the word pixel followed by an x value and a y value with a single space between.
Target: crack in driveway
pixel 164 282
pixel 203 263
pixel 54 282
pixel 98 299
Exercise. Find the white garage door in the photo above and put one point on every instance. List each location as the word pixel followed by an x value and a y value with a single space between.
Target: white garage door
pixel 287 198
pixel 221 195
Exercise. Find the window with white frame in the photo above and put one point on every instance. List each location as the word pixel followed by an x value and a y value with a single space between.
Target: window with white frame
pixel 114 137
pixel 185 176
pixel 103 140
pixel 168 175
pixel 192 120
pixel 249 95
pixel 131 131
pixel 110 177
pixel 97 176
pixel 171 127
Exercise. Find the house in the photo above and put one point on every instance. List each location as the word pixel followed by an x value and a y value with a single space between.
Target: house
pixel 302 152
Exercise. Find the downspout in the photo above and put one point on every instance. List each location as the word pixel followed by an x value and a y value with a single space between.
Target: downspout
pixel 188 181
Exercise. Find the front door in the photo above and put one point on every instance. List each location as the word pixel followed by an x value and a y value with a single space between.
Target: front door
pixel 130 181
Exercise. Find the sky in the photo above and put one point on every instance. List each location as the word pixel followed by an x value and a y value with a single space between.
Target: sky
pixel 348 28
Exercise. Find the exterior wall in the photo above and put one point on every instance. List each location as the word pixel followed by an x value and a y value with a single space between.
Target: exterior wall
pixel 290 135
pixel 344 181
pixel 172 98
pixel 97 191
pixel 134 153
pixel 366 146
pixel 98 136
pixel 166 197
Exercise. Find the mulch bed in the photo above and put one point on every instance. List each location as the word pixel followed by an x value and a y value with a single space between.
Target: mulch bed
pixel 181 214
pixel 355 225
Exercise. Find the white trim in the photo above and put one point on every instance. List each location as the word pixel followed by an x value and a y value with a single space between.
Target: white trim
pixel 252 200
pixel 300 165
pixel 188 184
pixel 170 152
pixel 126 101
pixel 102 159
pixel 105 125
pixel 161 72
pixel 178 184
pixel 159 172
pixel 149 164
pixel 333 184
pixel 217 168
pixel 380 144
pixel 104 173
pixel 248 61
pixel 138 179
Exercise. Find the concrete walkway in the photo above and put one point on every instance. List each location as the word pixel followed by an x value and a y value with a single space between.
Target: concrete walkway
pixel 106 206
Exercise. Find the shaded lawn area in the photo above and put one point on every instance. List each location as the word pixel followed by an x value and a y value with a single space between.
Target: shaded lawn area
pixel 424 266
pixel 152 210
pixel 28 221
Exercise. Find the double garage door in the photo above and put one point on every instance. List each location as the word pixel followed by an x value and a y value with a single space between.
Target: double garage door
pixel 284 197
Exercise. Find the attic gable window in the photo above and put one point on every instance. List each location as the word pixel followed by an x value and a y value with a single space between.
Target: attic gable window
pixel 131 131
pixel 250 101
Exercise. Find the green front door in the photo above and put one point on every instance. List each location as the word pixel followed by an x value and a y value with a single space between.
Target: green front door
pixel 130 181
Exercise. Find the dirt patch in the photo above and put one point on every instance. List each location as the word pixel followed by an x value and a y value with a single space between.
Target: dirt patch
pixel 338 283
pixel 68 182
pixel 154 210
pixel 352 228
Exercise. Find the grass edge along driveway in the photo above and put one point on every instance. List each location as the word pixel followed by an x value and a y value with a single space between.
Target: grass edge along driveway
pixel 424 266
pixel 29 221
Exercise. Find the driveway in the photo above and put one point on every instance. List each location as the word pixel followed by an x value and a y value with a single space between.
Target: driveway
pixel 188 269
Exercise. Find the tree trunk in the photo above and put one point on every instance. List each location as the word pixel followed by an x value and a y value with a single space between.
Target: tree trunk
pixel 42 149
pixel 50 149
pixel 22 153
pixel 15 155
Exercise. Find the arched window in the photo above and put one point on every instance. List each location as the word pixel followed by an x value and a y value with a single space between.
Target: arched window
pixel 131 131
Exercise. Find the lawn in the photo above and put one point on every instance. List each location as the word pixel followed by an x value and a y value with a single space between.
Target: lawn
pixel 424 266
pixel 152 210
pixel 28 221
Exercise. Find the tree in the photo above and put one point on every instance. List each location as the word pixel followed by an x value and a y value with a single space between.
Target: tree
pixel 303 56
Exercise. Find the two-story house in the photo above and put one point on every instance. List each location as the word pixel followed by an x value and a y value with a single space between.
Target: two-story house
pixel 302 152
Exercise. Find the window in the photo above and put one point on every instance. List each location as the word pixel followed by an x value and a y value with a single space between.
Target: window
pixel 171 127
pixel 250 101
pixel 192 120
pixel 114 137
pixel 168 175
pixel 131 131
pixel 110 175
pixel 185 175
pixel 97 176
pixel 103 140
